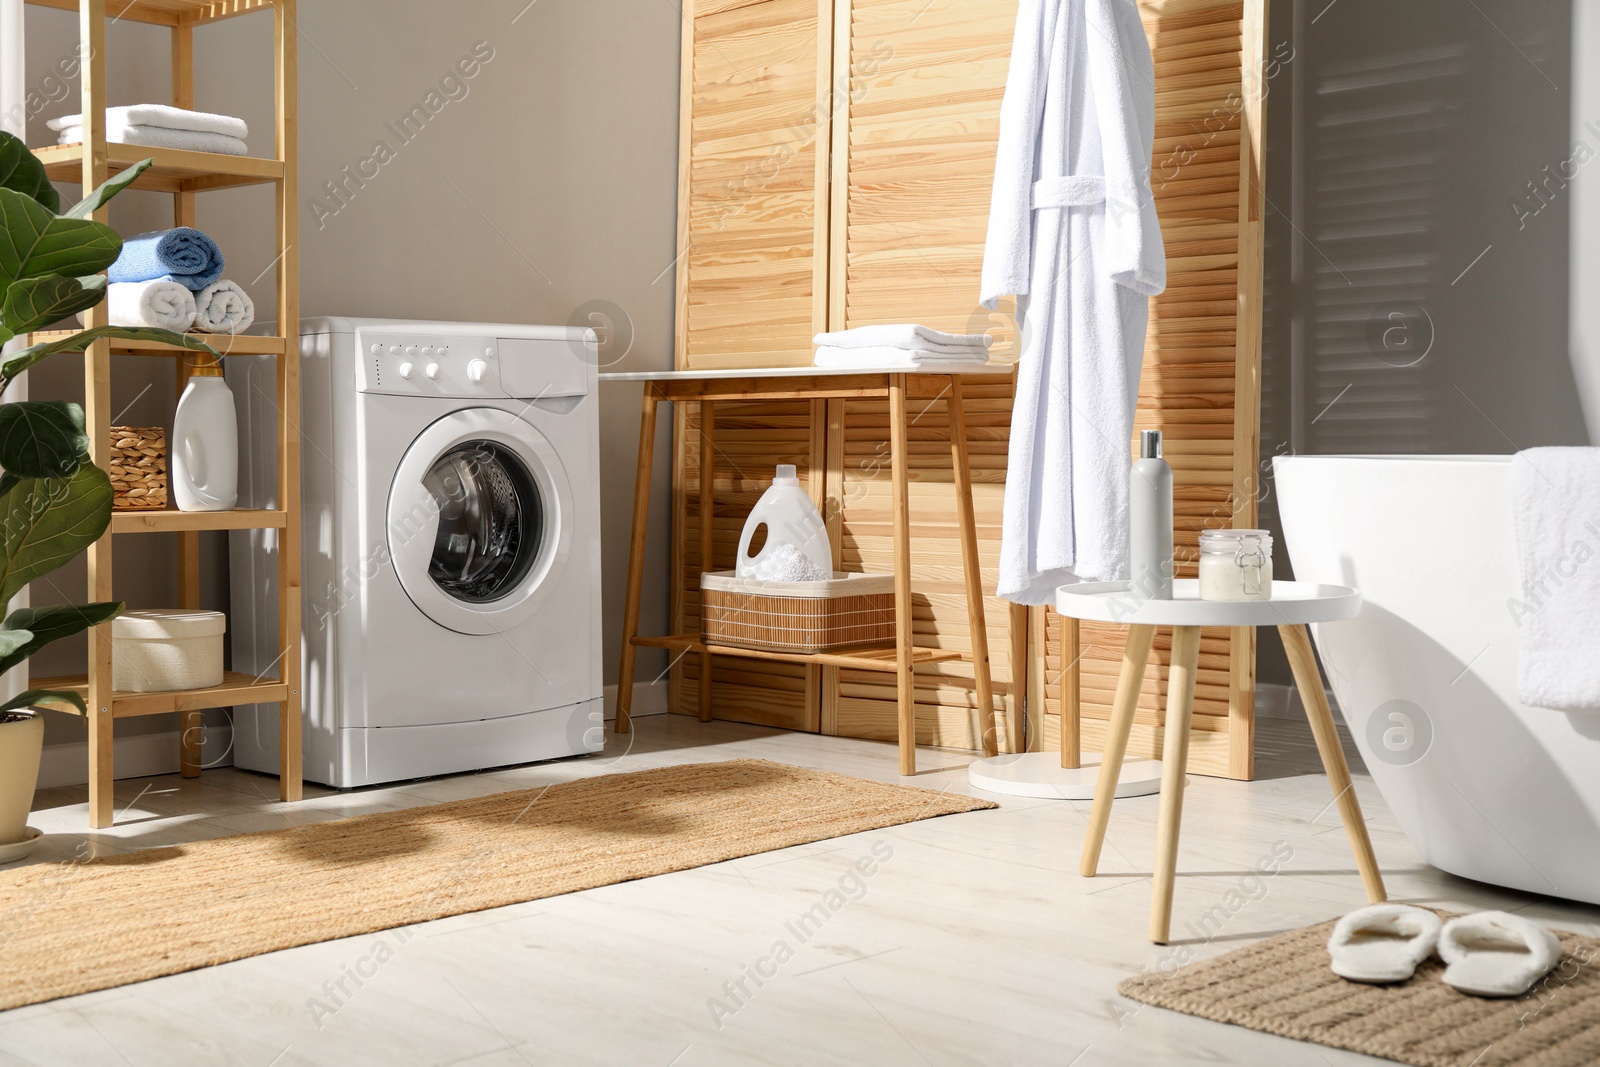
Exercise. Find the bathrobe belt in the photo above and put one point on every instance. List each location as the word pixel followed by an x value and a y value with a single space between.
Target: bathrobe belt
pixel 1072 190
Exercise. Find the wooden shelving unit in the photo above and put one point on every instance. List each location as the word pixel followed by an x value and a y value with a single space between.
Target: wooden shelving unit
pixel 185 174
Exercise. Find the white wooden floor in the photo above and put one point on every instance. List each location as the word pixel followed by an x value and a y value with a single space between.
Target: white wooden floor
pixel 975 942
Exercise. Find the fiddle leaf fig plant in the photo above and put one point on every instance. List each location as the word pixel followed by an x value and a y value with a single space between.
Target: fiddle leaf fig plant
pixel 54 502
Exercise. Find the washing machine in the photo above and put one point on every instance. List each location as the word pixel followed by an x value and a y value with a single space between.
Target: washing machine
pixel 451 549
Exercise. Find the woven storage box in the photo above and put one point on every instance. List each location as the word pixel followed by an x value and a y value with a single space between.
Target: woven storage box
pixel 139 466
pixel 846 611
pixel 158 651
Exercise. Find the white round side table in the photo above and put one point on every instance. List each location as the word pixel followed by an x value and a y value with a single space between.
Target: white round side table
pixel 1293 605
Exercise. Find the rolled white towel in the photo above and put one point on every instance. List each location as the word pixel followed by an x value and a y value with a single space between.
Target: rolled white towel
pixel 161 303
pixel 904 335
pixel 223 307
pixel 164 116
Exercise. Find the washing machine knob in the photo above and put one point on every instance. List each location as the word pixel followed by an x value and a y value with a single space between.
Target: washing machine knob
pixel 405 369
pixel 432 370
pixel 411 350
pixel 394 350
pixel 476 370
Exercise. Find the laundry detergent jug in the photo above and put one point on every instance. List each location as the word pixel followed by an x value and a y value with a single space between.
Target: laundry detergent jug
pixel 797 548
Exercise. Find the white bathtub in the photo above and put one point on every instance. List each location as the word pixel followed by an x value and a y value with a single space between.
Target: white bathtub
pixel 1485 787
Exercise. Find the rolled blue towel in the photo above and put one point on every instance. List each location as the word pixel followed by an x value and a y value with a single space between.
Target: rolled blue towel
pixel 185 255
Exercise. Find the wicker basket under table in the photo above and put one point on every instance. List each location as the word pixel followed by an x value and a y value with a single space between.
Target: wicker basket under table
pixel 846 611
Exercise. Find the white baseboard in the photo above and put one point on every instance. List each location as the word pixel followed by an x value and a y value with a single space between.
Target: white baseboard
pixel 132 757
pixel 1275 701
pixel 649 698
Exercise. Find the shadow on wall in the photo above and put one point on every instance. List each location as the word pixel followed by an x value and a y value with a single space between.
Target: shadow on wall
pixel 1419 169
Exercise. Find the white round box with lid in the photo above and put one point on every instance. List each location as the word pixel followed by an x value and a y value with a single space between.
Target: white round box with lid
pixel 1235 565
pixel 162 650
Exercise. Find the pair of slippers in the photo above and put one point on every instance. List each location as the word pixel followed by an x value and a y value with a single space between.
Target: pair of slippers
pixel 1488 954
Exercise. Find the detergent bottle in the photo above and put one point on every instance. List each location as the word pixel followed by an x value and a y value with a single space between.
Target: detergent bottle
pixel 797 547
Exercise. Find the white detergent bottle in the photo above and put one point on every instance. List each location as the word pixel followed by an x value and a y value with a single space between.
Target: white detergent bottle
pixel 205 444
pixel 791 520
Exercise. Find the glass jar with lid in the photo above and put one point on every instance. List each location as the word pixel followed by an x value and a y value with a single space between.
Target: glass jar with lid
pixel 1235 565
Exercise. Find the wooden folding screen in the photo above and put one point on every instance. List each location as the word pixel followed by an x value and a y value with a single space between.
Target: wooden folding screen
pixel 836 160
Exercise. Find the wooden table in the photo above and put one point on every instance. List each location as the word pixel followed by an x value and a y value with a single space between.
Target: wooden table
pixel 898 386
pixel 1293 605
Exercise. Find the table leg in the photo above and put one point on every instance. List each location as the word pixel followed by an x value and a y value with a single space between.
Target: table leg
pixel 901 476
pixel 1174 761
pixel 1297 643
pixel 1069 696
pixel 977 625
pixel 708 470
pixel 1135 654
pixel 641 515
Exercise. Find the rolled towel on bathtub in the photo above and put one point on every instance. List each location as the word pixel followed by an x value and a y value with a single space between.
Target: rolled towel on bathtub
pixel 1556 509
pixel 185 254
pixel 223 307
pixel 161 302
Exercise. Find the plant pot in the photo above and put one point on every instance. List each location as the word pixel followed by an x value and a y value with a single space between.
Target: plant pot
pixel 21 745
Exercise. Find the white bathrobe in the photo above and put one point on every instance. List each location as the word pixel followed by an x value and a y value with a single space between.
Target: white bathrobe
pixel 1073 234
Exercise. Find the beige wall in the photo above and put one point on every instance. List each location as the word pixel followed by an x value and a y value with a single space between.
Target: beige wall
pixel 548 186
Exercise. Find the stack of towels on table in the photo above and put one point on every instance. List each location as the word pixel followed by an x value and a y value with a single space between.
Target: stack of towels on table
pixel 900 346
pixel 160 126
pixel 172 279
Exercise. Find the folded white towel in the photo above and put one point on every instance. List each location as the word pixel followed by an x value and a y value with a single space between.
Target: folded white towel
pixel 1556 508
pixel 162 303
pixel 902 336
pixel 830 356
pixel 161 137
pixel 164 116
pixel 223 307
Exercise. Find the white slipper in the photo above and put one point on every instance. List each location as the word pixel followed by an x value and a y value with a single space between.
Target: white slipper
pixel 1493 954
pixel 1382 942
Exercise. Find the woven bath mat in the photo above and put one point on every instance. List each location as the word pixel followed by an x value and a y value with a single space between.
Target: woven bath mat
pixel 1283 986
pixel 77 927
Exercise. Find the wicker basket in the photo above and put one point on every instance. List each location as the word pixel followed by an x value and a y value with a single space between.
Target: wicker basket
pixel 139 466
pixel 847 611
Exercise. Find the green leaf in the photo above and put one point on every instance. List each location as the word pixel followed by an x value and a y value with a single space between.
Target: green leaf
pixel 27 357
pixel 34 697
pixel 12 640
pixel 97 199
pixel 33 303
pixel 33 241
pixel 20 170
pixel 44 522
pixel 42 438
pixel 50 624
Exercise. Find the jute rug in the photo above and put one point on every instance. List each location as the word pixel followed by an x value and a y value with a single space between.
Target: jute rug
pixel 1283 986
pixel 77 927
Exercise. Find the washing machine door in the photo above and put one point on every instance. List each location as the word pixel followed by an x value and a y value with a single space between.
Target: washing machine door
pixel 480 520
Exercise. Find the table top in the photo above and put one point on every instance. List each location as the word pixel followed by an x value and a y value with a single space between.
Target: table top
pixel 1292 603
pixel 803 371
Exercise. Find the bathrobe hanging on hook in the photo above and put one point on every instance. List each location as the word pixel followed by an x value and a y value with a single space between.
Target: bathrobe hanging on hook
pixel 1073 233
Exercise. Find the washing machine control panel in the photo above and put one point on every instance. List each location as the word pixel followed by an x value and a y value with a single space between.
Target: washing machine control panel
pixel 420 365
pixel 466 366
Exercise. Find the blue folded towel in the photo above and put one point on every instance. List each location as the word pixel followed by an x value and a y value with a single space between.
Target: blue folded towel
pixel 185 255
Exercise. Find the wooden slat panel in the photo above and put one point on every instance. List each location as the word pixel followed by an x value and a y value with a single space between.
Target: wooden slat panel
pixel 751 439
pixel 751 207
pixel 912 176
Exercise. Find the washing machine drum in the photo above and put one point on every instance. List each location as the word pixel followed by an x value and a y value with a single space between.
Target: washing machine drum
pixel 479 520
pixel 490 522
